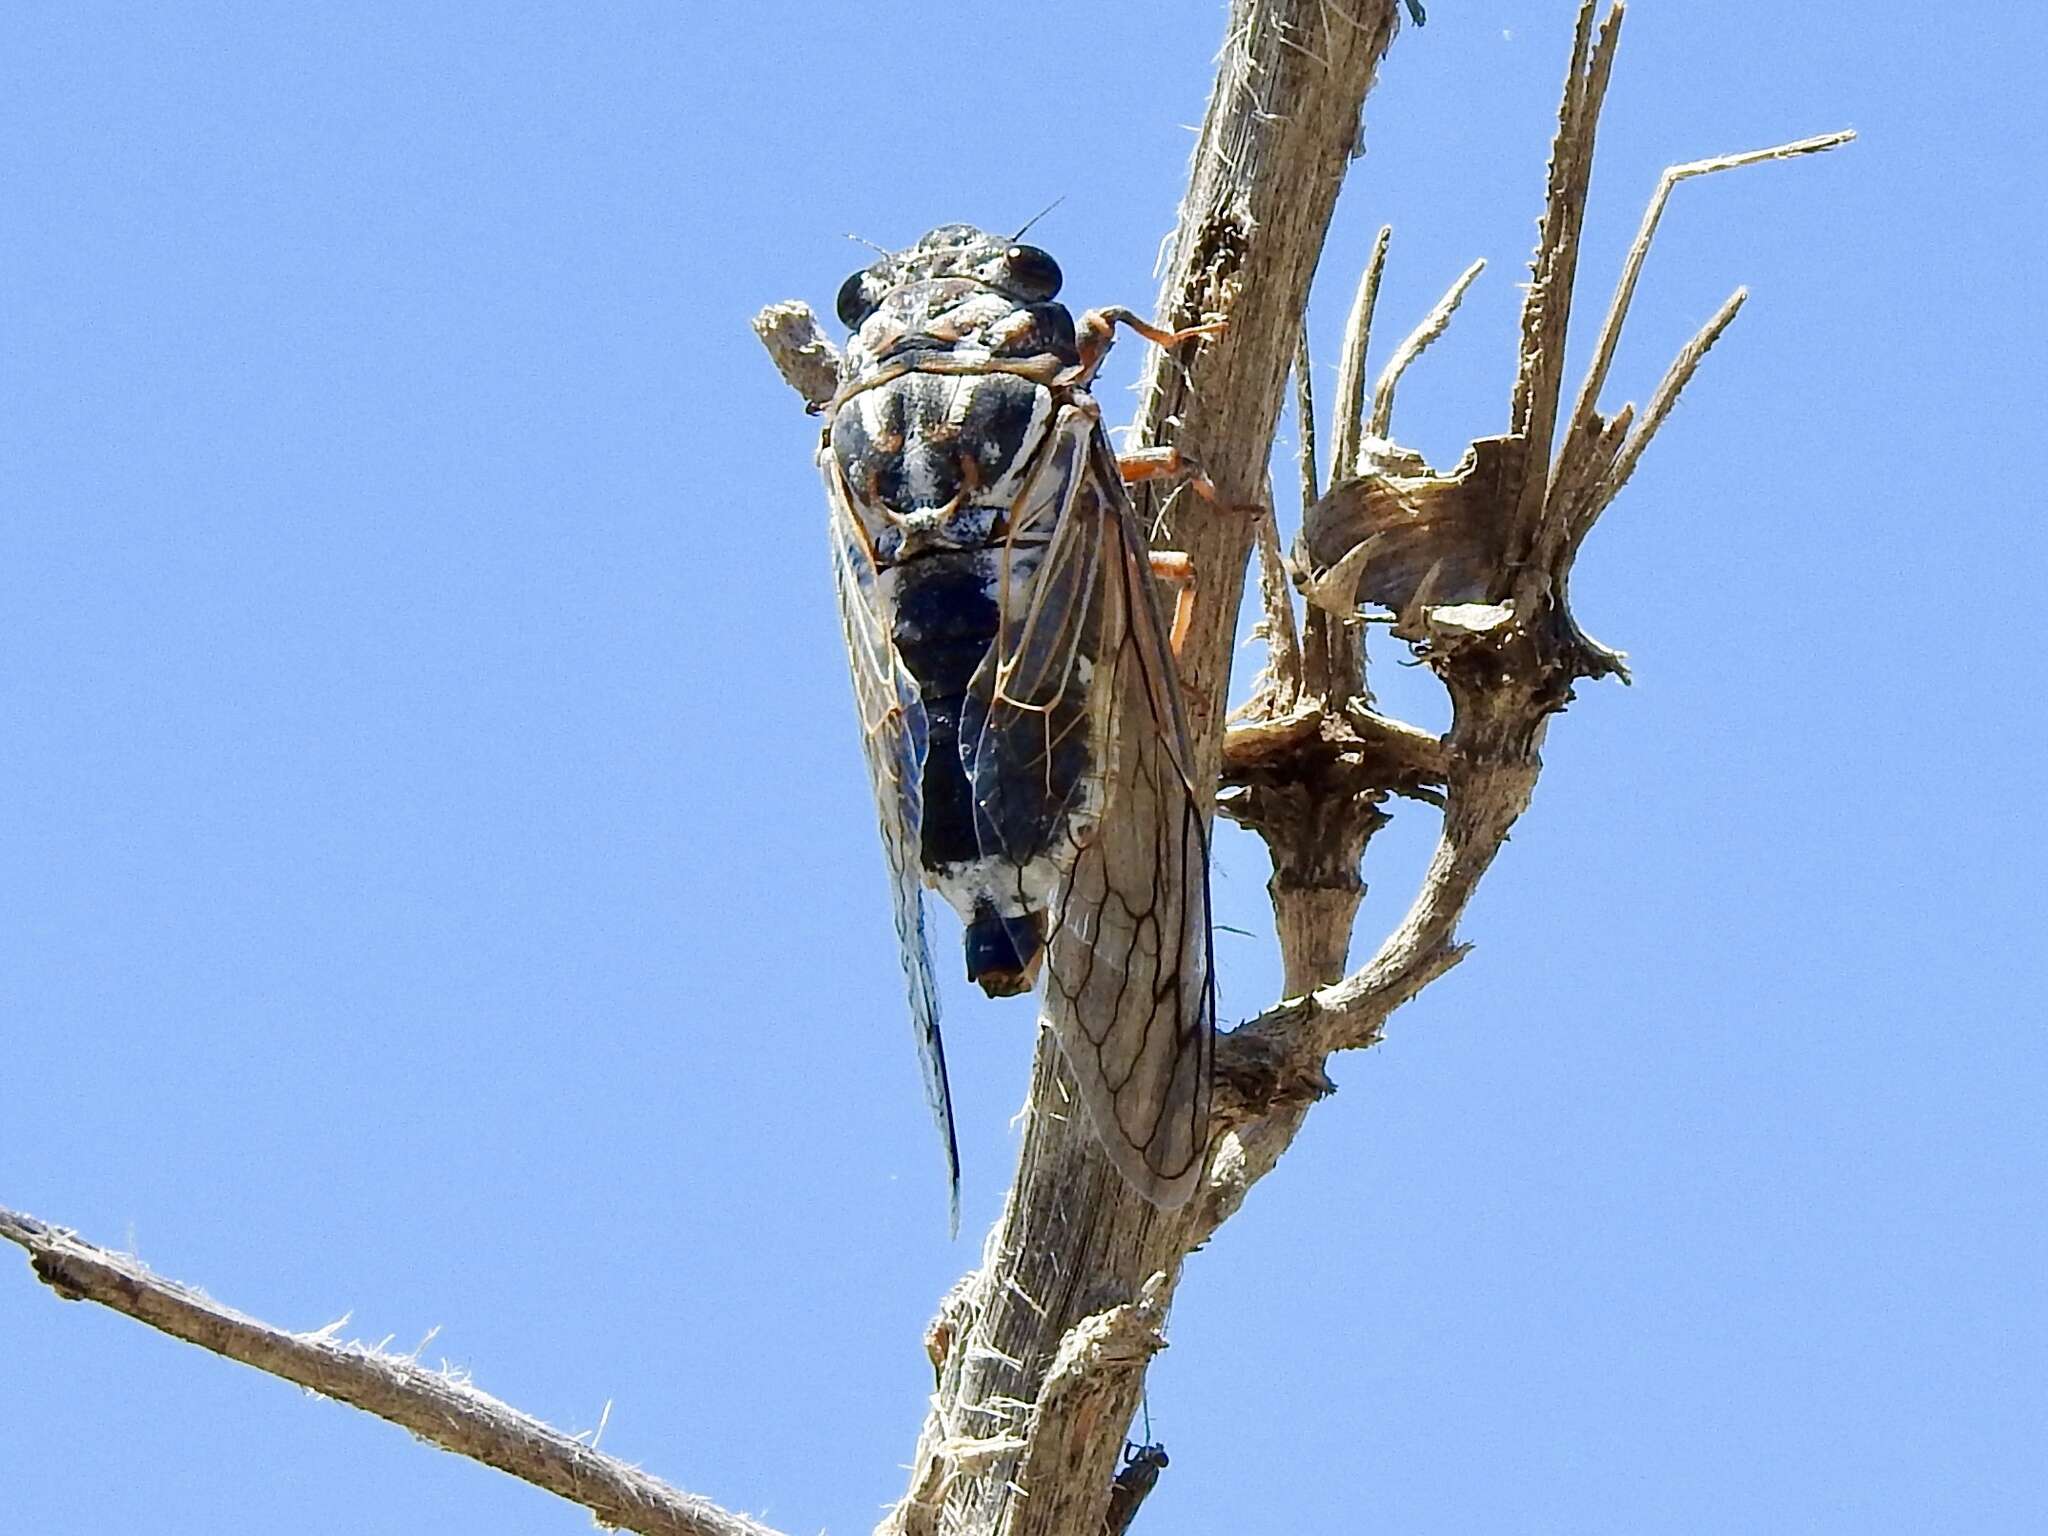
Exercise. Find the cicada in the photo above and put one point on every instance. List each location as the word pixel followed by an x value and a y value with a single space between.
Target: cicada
pixel 1015 674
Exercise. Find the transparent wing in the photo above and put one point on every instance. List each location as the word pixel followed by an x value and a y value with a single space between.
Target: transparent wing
pixel 895 734
pixel 1031 725
pixel 1130 988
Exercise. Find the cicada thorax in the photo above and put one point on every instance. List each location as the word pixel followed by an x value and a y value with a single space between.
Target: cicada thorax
pixel 942 426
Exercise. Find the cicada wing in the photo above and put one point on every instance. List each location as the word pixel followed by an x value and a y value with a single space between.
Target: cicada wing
pixel 1131 974
pixel 895 734
pixel 1030 720
pixel 1130 988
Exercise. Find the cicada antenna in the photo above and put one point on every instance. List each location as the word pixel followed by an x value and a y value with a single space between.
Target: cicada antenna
pixel 1048 208
pixel 863 240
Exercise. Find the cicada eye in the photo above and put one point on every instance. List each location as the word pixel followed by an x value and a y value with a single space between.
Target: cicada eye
pixel 1031 274
pixel 853 303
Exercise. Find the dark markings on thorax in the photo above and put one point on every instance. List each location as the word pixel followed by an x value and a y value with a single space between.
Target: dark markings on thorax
pixel 918 444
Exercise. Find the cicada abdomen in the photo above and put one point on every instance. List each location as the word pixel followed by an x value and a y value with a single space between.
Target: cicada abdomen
pixel 1017 693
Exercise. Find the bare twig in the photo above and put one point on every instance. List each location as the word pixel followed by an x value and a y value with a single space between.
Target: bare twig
pixel 1546 311
pixel 438 1406
pixel 1433 325
pixel 1348 421
pixel 1600 453
pixel 1305 418
pixel 1639 250
pixel 1279 686
pixel 807 361
pixel 1661 401
pixel 1576 497
pixel 1333 649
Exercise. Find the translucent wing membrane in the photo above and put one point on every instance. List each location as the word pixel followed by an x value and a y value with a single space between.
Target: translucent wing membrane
pixel 1031 726
pixel 1077 727
pixel 895 734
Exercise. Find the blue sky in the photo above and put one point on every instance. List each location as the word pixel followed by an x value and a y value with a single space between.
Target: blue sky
pixel 436 874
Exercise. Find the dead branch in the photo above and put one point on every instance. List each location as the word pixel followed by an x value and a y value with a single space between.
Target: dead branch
pixel 807 361
pixel 1639 251
pixel 441 1407
pixel 1279 684
pixel 1349 428
pixel 1333 649
pixel 1434 324
pixel 1074 1240
pixel 1546 310
pixel 1662 399
pixel 1041 1353
pixel 1474 565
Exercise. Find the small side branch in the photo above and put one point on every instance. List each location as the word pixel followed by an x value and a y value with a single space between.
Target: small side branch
pixel 1434 324
pixel 1639 251
pixel 1666 396
pixel 1348 421
pixel 1278 689
pixel 1546 312
pixel 802 354
pixel 438 1407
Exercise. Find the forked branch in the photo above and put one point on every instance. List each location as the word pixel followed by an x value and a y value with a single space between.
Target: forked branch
pixel 1474 563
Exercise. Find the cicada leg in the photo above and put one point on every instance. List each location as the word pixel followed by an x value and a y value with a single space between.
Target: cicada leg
pixel 1166 463
pixel 1096 329
pixel 1176 570
pixel 1169 568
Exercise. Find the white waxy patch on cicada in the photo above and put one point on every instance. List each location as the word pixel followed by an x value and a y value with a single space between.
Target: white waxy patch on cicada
pixel 872 407
pixel 1004 491
pixel 1015 891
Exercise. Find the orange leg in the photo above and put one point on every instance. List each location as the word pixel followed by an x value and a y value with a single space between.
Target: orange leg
pixel 1165 463
pixel 1177 571
pixel 1096 329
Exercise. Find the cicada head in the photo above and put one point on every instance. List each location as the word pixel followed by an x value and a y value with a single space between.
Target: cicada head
pixel 1022 273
